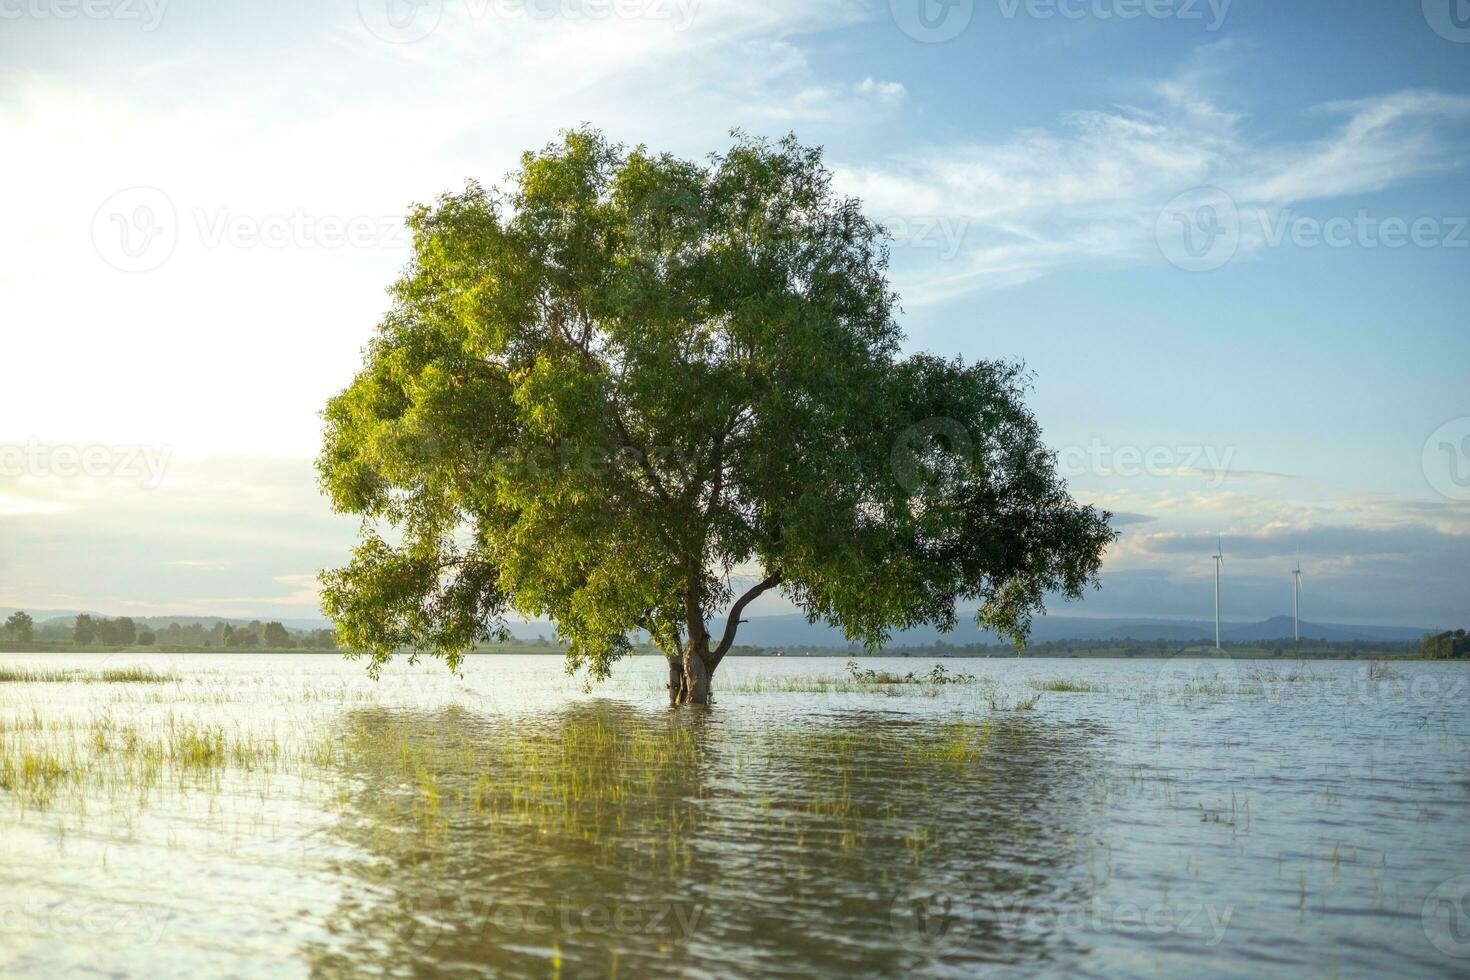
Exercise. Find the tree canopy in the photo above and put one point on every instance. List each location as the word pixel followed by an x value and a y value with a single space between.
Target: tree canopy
pixel 20 626
pixel 626 387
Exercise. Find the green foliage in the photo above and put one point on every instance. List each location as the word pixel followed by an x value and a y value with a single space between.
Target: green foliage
pixel 600 392
pixel 938 676
pixel 20 627
pixel 276 637
pixel 242 637
pixel 1448 645
pixel 109 632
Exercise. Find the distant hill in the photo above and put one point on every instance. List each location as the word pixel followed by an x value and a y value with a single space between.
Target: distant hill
pixel 778 631
pixel 1280 628
pixel 794 630
pixel 1152 632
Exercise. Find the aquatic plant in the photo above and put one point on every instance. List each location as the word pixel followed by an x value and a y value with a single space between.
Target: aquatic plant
pixel 116 675
pixel 1064 685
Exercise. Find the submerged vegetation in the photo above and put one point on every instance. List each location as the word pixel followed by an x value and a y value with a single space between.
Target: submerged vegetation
pixel 855 680
pixel 1068 685
pixel 937 676
pixel 116 675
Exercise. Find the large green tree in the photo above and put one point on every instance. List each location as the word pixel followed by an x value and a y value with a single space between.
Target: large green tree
pixel 632 393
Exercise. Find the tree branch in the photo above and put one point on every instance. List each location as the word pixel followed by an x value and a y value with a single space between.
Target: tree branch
pixel 732 624
pixel 643 460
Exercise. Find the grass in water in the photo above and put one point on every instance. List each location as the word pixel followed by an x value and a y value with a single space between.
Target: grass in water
pixel 119 675
pixel 857 680
pixel 136 675
pixel 121 761
pixel 1062 685
pixel 956 742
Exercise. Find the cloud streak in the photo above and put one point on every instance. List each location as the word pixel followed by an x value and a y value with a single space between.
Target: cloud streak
pixel 1092 189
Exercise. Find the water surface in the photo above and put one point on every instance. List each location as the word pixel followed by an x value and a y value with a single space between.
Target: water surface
pixel 285 815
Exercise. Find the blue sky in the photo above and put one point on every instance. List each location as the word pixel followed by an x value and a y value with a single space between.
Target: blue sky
pixel 1040 168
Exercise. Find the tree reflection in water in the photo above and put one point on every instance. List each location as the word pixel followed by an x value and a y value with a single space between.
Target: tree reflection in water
pixel 602 839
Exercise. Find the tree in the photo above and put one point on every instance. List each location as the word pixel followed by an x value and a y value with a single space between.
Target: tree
pixel 147 638
pixel 634 391
pixel 20 626
pixel 86 631
pixel 1451 644
pixel 321 640
pixel 277 637
pixel 116 632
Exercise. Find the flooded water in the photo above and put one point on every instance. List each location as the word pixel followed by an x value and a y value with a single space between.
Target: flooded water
pixel 283 815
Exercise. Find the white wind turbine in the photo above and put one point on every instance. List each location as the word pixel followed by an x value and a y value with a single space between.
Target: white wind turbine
pixel 1296 598
pixel 1219 557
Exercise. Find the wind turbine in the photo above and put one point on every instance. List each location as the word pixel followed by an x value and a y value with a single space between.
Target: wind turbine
pixel 1296 598
pixel 1219 557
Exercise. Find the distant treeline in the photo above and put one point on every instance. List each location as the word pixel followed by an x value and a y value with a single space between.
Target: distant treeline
pixel 124 631
pixel 1451 645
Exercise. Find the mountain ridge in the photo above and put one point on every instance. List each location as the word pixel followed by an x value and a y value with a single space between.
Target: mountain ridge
pixel 792 629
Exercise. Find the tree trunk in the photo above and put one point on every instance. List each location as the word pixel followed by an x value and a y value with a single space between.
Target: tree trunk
pixel 691 669
pixel 689 675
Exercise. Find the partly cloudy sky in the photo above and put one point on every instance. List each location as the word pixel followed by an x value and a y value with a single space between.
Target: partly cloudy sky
pixel 1229 239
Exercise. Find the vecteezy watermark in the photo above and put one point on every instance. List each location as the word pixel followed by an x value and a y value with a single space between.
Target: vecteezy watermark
pixel 932 21
pixel 938 915
pixel 935 914
pixel 77 922
pixel 1446 459
pixel 400 21
pixel 942 233
pixel 1100 459
pixel 1450 19
pixel 149 13
pixel 1194 685
pixel 139 229
pixel 566 917
pixel 299 229
pixel 1446 917
pixel 136 229
pixel 1199 230
pixel 1205 922
pixel 923 450
pixel 1363 230
pixel 144 465
pixel 1203 229
pixel 681 215
pixel 1211 13
pixel 407 21
pixel 434 915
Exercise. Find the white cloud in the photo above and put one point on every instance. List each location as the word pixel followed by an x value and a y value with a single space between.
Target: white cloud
pixel 13 506
pixel 1092 189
